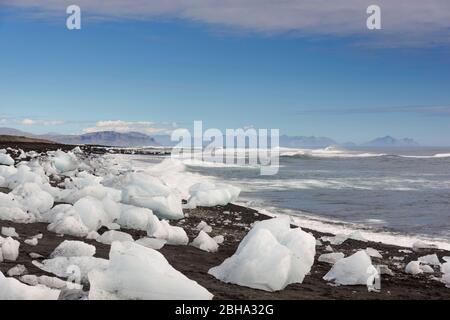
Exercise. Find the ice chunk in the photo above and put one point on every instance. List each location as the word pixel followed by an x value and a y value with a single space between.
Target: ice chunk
pixel 353 270
pixel 70 224
pixel 204 242
pixel 93 235
pixel 431 259
pixel 69 248
pixel 203 226
pixel 374 253
pixel 72 266
pixel 95 213
pixel 18 270
pixel 35 255
pixel 24 174
pixel 426 268
pixel 12 289
pixel 413 267
pixel 109 236
pixel 137 272
pixel 331 258
pixel 65 162
pixel 146 191
pixel 384 269
pixel 208 194
pixel 163 230
pixel 9 232
pixel 134 218
pixel 271 256
pixel 6 159
pixel 11 210
pixel 33 198
pixel 31 242
pixel 151 243
pixel 219 239
pixel 335 240
pixel 10 249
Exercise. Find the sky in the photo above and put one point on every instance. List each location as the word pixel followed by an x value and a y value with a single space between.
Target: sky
pixel 304 67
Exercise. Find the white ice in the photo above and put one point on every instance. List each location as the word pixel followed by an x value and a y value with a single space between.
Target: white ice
pixel 137 272
pixel 271 256
pixel 72 248
pixel 353 270
pixel 204 242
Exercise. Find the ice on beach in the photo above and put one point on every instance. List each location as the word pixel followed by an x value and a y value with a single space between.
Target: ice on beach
pixel 9 232
pixel 445 269
pixel 110 236
pixel 12 289
pixel 17 270
pixel 5 159
pixel 143 190
pixel 219 239
pixel 331 258
pixel 431 259
pixel 271 256
pixel 204 242
pixel 373 253
pixel 75 267
pixel 426 268
pixel 384 270
pixel 353 270
pixel 419 245
pixel 97 213
pixel 92 235
pixel 71 248
pixel 50 282
pixel 69 223
pixel 203 226
pixel 413 267
pixel 163 230
pixel 328 248
pixel 208 194
pixel 151 243
pixel 65 161
pixel 23 174
pixel 132 217
pixel 11 210
pixel 32 198
pixel 9 248
pixel 137 272
pixel 31 242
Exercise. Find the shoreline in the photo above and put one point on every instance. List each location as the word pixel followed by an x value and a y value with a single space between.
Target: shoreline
pixel 233 222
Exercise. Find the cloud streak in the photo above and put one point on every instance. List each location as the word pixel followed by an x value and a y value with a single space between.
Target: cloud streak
pixel 147 127
pixel 404 22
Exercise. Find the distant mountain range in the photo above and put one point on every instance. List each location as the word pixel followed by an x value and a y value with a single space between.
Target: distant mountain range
pixel 137 139
pixel 102 138
pixel 389 141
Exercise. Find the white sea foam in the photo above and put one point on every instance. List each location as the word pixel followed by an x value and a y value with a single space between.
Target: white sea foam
pixel 337 227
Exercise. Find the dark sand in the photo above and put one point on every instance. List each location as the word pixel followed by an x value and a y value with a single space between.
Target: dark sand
pixel 195 263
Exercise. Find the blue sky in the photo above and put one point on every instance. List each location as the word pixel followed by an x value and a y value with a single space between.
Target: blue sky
pixel 153 73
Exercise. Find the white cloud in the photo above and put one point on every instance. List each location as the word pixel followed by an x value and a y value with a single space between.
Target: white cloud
pixel 147 127
pixel 32 122
pixel 404 22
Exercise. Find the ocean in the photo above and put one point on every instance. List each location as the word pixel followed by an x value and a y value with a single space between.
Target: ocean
pixel 400 191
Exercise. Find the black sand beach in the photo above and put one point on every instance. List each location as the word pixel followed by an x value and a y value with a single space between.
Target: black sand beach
pixel 233 222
